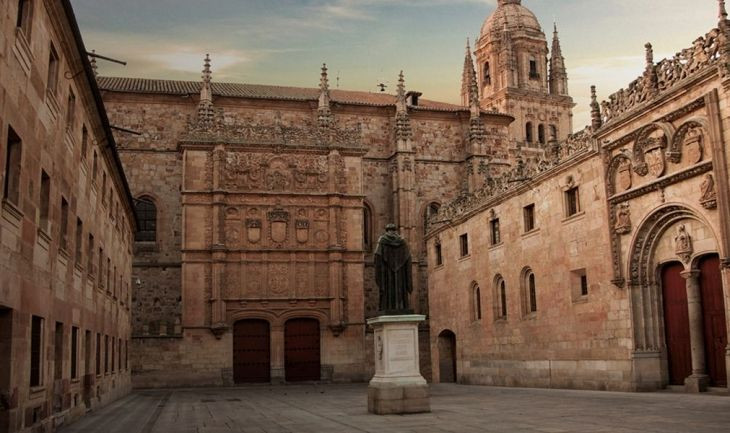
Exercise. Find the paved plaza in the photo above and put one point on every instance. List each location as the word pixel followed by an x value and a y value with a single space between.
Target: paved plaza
pixel 456 408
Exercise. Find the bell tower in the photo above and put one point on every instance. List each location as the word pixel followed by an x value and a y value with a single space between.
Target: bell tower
pixel 518 75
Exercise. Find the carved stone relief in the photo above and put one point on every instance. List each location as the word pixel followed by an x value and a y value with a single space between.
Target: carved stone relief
pixel 683 244
pixel 253 230
pixel 653 149
pixel 278 226
pixel 623 219
pixel 708 199
pixel 271 172
pixel 278 279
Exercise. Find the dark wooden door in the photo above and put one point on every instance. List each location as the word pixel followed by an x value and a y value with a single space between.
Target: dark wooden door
pixel 301 350
pixel 251 352
pixel 447 357
pixel 676 323
pixel 713 313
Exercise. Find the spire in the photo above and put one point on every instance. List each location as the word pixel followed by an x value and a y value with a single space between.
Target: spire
pixel 205 106
pixel 651 81
pixel 596 120
pixel 94 66
pixel 558 73
pixel 724 26
pixel 723 12
pixel 324 111
pixel 402 120
pixel 467 76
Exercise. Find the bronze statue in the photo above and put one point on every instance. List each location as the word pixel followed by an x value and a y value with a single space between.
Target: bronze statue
pixel 393 272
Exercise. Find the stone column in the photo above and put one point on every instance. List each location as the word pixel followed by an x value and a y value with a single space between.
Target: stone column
pixel 277 354
pixel 699 380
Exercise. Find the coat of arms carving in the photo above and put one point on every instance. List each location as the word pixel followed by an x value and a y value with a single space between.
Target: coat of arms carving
pixel 623 176
pixel 693 145
pixel 302 230
pixel 278 225
pixel 654 157
pixel 253 230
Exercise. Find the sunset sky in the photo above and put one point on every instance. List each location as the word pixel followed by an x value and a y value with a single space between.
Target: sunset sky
pixel 365 42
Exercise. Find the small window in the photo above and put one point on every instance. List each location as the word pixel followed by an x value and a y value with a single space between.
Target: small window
pixel 439 254
pixel 147 219
pixel 529 292
pixel 503 300
pixel 541 133
pixel 94 168
pixel 84 142
pixel 487 74
pixel 572 201
pixel 528 213
pixel 528 132
pixel 44 203
pixel 119 354
pixel 87 352
pixel 367 227
pixel 79 241
pixel 24 17
pixel 74 352
pixel 53 65
pixel 36 351
pixel 500 298
pixel 113 364
pixel 98 354
pixel 63 240
pixel 101 267
pixel 106 354
pixel 579 283
pixel 90 252
pixel 464 244
pixel 58 352
pixel 533 292
pixel 553 133
pixel 476 303
pixel 108 275
pixel 496 235
pixel 583 285
pixel 534 75
pixel 71 110
pixel 13 153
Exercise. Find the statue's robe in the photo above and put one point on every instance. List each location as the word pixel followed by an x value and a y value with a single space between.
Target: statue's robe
pixel 393 273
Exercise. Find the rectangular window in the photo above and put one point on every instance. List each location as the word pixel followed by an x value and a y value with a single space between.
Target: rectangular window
pixel 74 353
pixel 534 75
pixel 24 17
pixel 79 240
pixel 58 352
pixel 106 354
pixel 45 199
pixel 64 224
pixel 87 352
pixel 90 252
pixel 108 275
pixel 103 187
pixel 13 153
pixel 36 351
pixel 572 202
pixel 98 354
pixel 529 216
pixel 464 244
pixel 119 354
pixel 439 255
pixel 113 366
pixel 70 110
pixel 84 142
pixel 94 168
pixel 496 237
pixel 579 285
pixel 53 65
pixel 584 285
pixel 101 267
pixel 503 300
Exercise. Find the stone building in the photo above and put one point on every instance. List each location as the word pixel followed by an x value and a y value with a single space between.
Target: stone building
pixel 603 263
pixel 66 227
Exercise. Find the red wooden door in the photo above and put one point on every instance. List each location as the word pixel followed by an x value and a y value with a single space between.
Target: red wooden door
pixel 713 312
pixel 251 352
pixel 676 323
pixel 301 350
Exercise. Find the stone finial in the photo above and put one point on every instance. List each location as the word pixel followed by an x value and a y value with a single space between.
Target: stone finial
pixel 401 104
pixel 596 120
pixel 723 12
pixel 94 66
pixel 402 120
pixel 468 75
pixel 205 106
pixel 324 111
pixel 558 78
pixel 649 54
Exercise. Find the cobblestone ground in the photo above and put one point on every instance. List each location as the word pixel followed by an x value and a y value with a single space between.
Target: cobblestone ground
pixel 456 408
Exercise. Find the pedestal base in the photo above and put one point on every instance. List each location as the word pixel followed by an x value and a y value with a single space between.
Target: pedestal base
pixel 696 383
pixel 397 387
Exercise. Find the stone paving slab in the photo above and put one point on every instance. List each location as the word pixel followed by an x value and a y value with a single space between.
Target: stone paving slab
pixel 456 408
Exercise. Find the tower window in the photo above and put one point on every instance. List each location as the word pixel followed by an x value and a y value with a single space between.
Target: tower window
pixel 528 132
pixel 541 134
pixel 534 75
pixel 464 244
pixel 24 17
pixel 487 74
pixel 553 133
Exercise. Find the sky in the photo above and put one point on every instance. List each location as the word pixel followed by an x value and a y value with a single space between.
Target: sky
pixel 366 42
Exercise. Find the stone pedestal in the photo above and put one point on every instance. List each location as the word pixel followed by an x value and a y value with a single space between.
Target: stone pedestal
pixel 397 387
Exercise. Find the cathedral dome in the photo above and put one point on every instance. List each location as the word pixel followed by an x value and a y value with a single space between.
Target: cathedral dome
pixel 514 16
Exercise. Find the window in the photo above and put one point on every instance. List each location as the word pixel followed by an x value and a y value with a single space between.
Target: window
pixel 36 351
pixel 119 354
pixel 431 211
pixel 53 65
pixel 532 292
pixel 534 75
pixel 106 354
pixel 44 205
pixel 94 168
pixel 553 133
pixel 529 292
pixel 24 17
pixel 74 352
pixel 487 74
pixel 58 352
pixel 113 366
pixel 572 201
pixel 11 187
pixel 108 275
pixel 476 302
pixel 500 298
pixel 528 212
pixel 90 252
pixel 98 354
pixel 84 142
pixel 464 244
pixel 583 285
pixel 528 132
pixel 64 224
pixel 579 284
pixel 367 227
pixel 87 352
pixel 439 254
pixel 70 110
pixel 79 240
pixel 541 134
pixel 147 218
pixel 103 187
pixel 101 267
pixel 496 236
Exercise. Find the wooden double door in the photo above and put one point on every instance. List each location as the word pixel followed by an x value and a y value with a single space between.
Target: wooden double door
pixel 302 350
pixel 676 321
pixel 251 351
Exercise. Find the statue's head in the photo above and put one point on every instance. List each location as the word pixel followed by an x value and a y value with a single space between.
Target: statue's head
pixel 391 228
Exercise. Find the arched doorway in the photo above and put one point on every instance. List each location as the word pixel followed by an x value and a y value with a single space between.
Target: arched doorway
pixel 251 351
pixel 676 323
pixel 713 313
pixel 302 350
pixel 447 357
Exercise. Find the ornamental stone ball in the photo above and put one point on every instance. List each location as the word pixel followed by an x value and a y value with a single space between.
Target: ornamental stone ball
pixel 393 272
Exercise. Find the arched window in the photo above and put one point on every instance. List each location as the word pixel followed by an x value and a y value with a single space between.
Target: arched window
pixel 541 134
pixel 476 294
pixel 528 132
pixel 147 219
pixel 529 292
pixel 500 298
pixel 487 74
pixel 430 211
pixel 367 228
pixel 553 133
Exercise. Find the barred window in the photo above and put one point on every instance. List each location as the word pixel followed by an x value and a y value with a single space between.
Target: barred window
pixel 147 218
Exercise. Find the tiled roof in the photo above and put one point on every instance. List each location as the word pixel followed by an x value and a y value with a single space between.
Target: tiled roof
pixel 258 91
